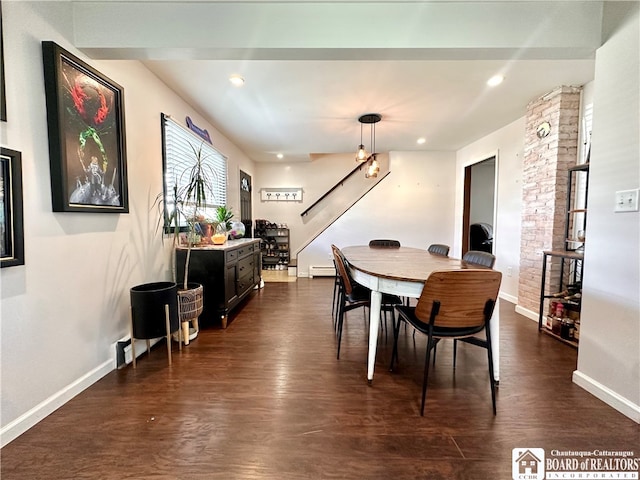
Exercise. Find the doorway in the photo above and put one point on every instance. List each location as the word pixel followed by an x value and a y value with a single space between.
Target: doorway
pixel 245 204
pixel 479 206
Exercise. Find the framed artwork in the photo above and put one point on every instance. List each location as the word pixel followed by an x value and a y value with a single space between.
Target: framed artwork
pixel 85 120
pixel 11 223
pixel 3 96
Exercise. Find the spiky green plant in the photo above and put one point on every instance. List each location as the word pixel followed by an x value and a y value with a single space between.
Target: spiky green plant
pixel 188 202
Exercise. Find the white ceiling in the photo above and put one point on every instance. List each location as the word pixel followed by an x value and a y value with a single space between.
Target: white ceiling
pixel 308 80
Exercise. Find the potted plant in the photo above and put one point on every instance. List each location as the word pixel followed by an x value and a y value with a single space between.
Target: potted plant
pixel 222 220
pixel 188 201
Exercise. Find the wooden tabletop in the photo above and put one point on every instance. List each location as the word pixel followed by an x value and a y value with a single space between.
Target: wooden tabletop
pixel 404 263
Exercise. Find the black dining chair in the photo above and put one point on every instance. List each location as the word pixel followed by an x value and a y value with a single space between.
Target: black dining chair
pixel 481 237
pixel 384 243
pixel 336 295
pixel 435 249
pixel 352 295
pixel 455 304
pixel 476 257
pixel 439 249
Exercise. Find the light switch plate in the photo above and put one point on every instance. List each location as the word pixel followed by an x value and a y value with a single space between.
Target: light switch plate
pixel 626 201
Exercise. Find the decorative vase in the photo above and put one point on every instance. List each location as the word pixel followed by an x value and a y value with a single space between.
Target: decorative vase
pixel 207 231
pixel 220 236
pixel 237 230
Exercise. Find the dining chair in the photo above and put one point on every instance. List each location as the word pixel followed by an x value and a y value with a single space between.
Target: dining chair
pixel 337 287
pixel 353 295
pixel 481 237
pixel 455 304
pixel 473 257
pixel 439 249
pixel 477 257
pixel 384 243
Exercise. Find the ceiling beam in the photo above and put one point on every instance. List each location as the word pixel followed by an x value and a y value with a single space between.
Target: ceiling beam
pixel 170 30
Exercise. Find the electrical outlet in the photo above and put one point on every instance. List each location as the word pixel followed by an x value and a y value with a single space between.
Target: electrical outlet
pixel 509 271
pixel 626 201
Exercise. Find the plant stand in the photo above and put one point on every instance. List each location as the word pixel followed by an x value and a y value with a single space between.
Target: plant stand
pixel 190 304
pixel 154 314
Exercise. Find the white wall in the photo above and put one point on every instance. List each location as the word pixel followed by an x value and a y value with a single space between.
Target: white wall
pixel 63 310
pixel 316 178
pixel 414 204
pixel 507 144
pixel 609 354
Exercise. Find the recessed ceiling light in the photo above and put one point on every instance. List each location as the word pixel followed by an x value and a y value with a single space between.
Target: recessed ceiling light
pixel 421 141
pixel 495 80
pixel 280 156
pixel 236 80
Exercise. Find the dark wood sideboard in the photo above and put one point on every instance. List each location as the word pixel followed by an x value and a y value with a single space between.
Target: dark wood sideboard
pixel 227 272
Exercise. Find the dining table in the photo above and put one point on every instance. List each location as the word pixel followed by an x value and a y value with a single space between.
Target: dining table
pixel 402 271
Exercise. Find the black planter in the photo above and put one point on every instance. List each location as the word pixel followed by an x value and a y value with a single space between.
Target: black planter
pixel 148 309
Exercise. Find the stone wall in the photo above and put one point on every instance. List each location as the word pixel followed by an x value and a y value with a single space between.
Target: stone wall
pixel 544 187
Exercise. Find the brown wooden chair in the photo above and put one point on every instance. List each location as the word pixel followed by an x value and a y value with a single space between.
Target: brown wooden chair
pixel 336 295
pixel 352 295
pixel 439 249
pixel 474 257
pixel 455 304
pixel 378 242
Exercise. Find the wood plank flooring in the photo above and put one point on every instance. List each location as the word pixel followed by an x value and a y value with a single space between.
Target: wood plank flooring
pixel 267 399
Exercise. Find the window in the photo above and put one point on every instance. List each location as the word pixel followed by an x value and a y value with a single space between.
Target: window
pixel 178 145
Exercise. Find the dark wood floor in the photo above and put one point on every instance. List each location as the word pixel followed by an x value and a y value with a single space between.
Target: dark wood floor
pixel 267 399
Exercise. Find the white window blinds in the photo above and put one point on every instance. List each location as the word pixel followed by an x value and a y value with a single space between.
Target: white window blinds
pixel 178 157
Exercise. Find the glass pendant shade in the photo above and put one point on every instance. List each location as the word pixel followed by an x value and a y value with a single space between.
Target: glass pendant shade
pixel 372 169
pixel 362 154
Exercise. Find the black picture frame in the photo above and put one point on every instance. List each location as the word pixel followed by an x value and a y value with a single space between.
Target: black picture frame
pixel 3 95
pixel 11 220
pixel 85 121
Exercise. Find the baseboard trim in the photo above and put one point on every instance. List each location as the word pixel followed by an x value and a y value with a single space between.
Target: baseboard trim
pixel 509 298
pixel 24 422
pixel 608 396
pixel 527 313
pixel 322 271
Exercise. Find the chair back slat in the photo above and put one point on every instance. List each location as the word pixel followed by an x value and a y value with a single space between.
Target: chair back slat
pixel 384 243
pixel 477 257
pixel 462 295
pixel 341 266
pixel 439 249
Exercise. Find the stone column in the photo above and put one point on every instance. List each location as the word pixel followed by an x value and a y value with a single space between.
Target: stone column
pixel 544 187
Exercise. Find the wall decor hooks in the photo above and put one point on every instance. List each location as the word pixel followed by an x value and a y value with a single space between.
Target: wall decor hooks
pixel 293 194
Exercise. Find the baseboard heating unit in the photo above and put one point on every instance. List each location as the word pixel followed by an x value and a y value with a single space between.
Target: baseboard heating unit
pixel 321 271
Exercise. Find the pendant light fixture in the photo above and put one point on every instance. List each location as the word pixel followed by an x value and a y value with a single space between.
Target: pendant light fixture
pixel 362 156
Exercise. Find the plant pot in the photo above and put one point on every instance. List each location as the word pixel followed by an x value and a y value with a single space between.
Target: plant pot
pixel 148 309
pixel 190 304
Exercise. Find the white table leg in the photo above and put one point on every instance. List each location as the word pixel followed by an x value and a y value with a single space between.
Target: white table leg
pixel 495 340
pixel 374 328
